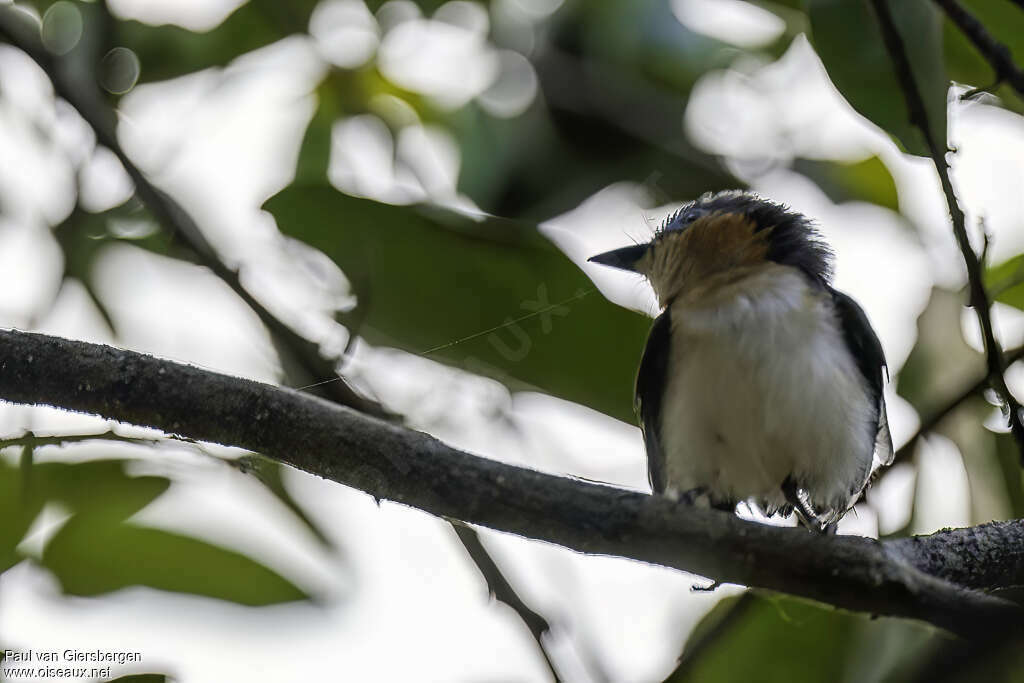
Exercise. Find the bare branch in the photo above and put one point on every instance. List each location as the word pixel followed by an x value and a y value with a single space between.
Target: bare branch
pixel 502 590
pixel 391 462
pixel 995 53
pixel 31 441
pixel 979 299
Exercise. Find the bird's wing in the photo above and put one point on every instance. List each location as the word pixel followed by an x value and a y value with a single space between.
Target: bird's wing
pixel 650 389
pixel 867 351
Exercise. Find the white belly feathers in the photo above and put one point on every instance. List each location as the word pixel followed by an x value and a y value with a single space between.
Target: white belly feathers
pixel 761 386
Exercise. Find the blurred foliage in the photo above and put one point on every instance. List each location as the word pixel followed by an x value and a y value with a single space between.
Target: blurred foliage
pixel 1005 281
pixel 90 555
pixel 18 509
pixel 482 271
pixel 757 637
pixel 83 234
pixel 939 345
pixel 867 181
pixel 170 51
pixel 434 277
pixel 929 389
pixel 846 37
pixel 613 83
pixel 98 549
pixel 1008 455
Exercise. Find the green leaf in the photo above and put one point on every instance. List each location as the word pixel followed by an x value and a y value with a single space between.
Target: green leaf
pixel 848 39
pixel 99 488
pixel 1005 281
pixel 428 277
pixel 92 555
pixel 1008 456
pixel 18 509
pixel 868 180
pixel 97 552
pixel 785 639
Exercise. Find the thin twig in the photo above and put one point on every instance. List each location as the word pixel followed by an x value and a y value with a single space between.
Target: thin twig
pixel 86 98
pixel 929 423
pixel 979 299
pixel 995 53
pixel 502 590
pixel 33 440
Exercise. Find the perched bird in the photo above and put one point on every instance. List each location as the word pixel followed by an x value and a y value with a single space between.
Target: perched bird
pixel 759 381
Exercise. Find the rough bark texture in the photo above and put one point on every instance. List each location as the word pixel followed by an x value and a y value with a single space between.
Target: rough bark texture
pixel 935 578
pixel 986 556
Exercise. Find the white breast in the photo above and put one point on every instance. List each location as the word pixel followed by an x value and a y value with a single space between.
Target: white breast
pixel 762 387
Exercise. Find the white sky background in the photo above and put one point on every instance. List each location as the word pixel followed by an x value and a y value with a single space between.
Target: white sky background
pixel 403 602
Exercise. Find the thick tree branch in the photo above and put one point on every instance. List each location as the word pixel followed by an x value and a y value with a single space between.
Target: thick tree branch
pixel 977 556
pixel 86 98
pixel 995 53
pixel 979 299
pixel 391 462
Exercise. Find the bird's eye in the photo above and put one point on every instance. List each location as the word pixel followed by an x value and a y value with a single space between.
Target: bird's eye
pixel 682 218
pixel 691 216
pixel 694 214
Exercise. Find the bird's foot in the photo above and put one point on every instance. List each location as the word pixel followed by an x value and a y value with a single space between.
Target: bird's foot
pixel 805 513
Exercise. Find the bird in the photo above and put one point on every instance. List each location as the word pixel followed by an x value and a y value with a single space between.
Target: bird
pixel 759 381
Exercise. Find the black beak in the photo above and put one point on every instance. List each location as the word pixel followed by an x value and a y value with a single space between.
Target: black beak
pixel 625 258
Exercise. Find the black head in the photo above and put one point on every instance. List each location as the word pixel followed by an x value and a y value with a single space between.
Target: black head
pixel 733 221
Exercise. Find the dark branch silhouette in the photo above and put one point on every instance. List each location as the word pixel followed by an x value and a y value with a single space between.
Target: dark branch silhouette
pixel 979 299
pixel 937 578
pixel 502 590
pixel 995 53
